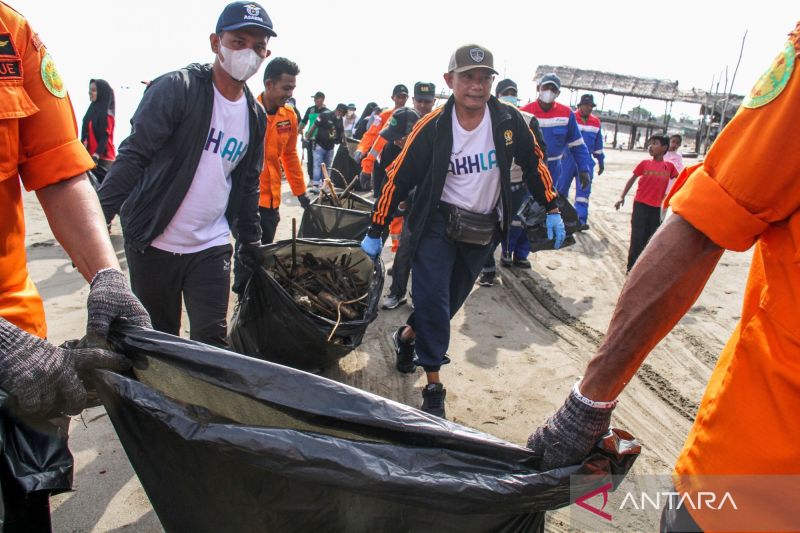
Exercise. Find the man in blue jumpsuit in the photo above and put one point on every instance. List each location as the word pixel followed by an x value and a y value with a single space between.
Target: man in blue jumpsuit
pixel 560 130
pixel 589 126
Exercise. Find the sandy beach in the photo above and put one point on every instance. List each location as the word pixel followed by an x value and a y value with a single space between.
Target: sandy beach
pixel 516 350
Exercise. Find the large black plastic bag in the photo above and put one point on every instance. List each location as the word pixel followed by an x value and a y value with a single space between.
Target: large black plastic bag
pixel 345 164
pixel 35 458
pixel 536 223
pixel 223 442
pixel 268 324
pixel 323 220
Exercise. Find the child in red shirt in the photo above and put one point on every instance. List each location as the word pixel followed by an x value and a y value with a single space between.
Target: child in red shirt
pixel 655 174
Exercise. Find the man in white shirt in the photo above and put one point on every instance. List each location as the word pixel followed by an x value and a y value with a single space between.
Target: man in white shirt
pixel 188 175
pixel 459 158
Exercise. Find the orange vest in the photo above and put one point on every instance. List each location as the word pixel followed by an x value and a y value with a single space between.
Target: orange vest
pixel 747 430
pixel 39 145
pixel 280 149
pixel 369 139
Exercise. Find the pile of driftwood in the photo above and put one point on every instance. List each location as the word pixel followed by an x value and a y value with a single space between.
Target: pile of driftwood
pixel 330 288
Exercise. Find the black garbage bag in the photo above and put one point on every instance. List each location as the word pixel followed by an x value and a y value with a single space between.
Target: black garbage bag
pixel 36 463
pixel 535 216
pixel 324 220
pixel 270 324
pixel 344 163
pixel 223 442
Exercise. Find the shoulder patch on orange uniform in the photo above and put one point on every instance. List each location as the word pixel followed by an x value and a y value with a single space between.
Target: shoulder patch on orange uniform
pixel 51 78
pixel 771 84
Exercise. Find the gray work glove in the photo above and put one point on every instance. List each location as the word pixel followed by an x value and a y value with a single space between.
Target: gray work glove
pixel 305 201
pixel 110 299
pixel 567 437
pixel 46 380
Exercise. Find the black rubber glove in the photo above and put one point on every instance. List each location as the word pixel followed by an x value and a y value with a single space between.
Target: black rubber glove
pixel 584 179
pixel 110 299
pixel 305 201
pixel 253 257
pixel 46 380
pixel 567 437
pixel 600 168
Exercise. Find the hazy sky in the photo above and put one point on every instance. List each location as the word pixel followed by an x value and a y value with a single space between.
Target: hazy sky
pixel 356 51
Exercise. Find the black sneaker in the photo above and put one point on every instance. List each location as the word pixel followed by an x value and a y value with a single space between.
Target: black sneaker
pixel 433 399
pixel 583 227
pixel 506 260
pixel 403 352
pixel 522 263
pixel 486 279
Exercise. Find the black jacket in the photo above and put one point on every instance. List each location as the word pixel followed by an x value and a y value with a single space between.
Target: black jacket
pixel 157 162
pixel 425 159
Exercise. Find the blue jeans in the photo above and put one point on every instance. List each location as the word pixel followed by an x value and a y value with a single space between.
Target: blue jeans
pixel 444 273
pixel 321 155
pixel 518 244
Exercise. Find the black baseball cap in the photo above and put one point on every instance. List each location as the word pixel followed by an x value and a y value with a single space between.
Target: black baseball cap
pixel 403 119
pixel 504 85
pixel 587 99
pixel 319 94
pixel 244 14
pixel 351 106
pixel 400 89
pixel 341 107
pixel 424 91
pixel 470 56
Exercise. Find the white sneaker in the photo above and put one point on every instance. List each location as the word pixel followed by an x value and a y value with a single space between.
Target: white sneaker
pixel 390 301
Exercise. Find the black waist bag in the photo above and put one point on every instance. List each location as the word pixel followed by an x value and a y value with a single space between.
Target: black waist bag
pixel 468 227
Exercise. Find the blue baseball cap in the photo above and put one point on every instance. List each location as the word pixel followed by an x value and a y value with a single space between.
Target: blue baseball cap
pixel 243 14
pixel 551 79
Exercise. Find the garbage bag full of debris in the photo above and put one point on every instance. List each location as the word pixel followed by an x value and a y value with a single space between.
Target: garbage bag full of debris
pixel 223 442
pixel 326 219
pixel 310 303
pixel 535 216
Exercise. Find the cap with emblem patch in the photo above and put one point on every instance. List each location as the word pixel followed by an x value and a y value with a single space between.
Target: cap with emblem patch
pixel 400 89
pixel 244 14
pixel 400 124
pixel 424 91
pixel 470 56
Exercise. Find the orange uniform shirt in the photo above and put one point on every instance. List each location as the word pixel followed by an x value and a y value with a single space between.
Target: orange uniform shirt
pixel 280 148
pixel 39 144
pixel 370 138
pixel 747 191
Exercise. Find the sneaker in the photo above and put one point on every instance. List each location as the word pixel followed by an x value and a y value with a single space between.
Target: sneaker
pixel 505 260
pixel 583 227
pixel 522 263
pixel 486 279
pixel 390 301
pixel 433 399
pixel 404 353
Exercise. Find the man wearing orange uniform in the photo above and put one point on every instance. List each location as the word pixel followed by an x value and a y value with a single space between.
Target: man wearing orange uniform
pixel 364 153
pixel 747 429
pixel 280 152
pixel 39 145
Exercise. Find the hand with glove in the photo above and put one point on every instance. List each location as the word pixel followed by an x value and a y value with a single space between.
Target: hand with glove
pixel 45 380
pixel 250 255
pixel 584 178
pixel 305 201
pixel 358 156
pixel 567 437
pixel 600 168
pixel 372 246
pixel 110 299
pixel 556 229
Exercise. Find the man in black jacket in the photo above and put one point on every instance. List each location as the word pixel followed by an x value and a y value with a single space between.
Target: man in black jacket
pixel 459 159
pixel 188 174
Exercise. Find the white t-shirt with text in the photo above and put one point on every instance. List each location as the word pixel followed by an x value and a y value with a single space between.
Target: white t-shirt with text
pixel 473 179
pixel 200 221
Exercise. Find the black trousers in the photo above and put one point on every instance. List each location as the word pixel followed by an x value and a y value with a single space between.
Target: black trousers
pixel 310 159
pixel 644 222
pixel 202 279
pixel 270 217
pixel 24 513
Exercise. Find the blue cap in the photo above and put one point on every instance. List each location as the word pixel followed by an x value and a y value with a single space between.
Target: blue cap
pixel 551 78
pixel 244 14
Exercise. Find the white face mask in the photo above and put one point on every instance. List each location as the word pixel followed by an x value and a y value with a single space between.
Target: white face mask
pixel 548 97
pixel 511 99
pixel 240 64
pixel 351 113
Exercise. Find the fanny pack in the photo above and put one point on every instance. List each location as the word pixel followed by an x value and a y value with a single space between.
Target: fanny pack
pixel 468 227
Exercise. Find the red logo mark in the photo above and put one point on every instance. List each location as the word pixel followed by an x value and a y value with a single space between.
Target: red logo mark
pixel 581 502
